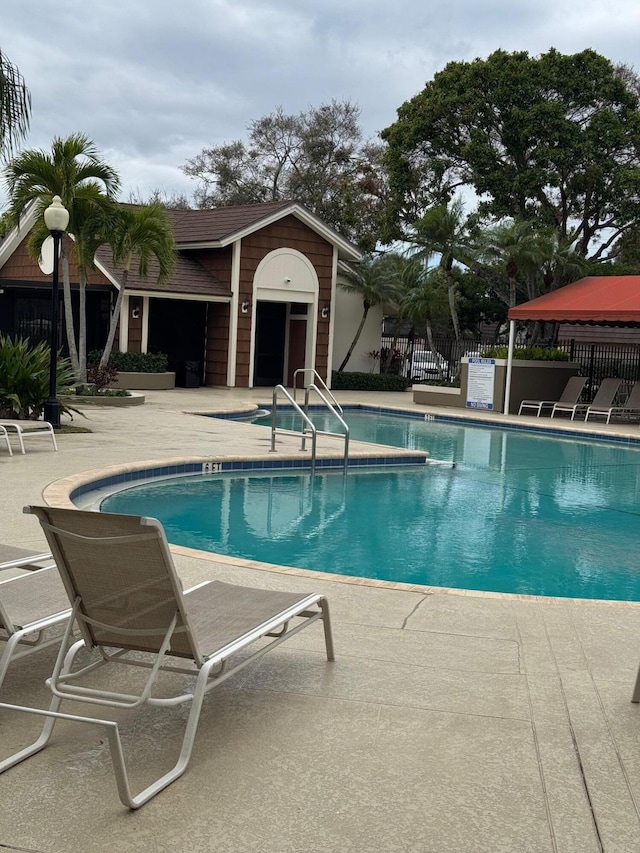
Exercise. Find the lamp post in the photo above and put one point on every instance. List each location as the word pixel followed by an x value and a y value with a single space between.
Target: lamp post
pixel 56 218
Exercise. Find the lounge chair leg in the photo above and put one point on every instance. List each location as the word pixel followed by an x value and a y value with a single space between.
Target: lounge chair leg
pixel 328 633
pixel 37 745
pixel 635 696
pixel 117 756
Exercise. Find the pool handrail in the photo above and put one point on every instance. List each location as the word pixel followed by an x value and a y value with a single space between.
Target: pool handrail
pixel 305 417
pixel 317 380
pixel 336 414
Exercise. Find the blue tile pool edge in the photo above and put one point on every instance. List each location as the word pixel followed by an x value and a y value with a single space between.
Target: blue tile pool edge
pixel 214 467
pixel 463 420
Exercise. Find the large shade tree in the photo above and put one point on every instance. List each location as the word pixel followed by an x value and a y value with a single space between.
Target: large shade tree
pixel 554 138
pixel 317 157
pixel 87 185
pixel 15 105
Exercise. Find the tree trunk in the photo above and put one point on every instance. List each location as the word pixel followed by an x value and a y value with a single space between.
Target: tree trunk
pixel 355 339
pixel 82 327
pixel 451 292
pixel 113 325
pixel 68 311
pixel 432 346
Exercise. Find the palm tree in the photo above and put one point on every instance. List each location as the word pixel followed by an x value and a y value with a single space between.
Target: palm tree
pixel 519 250
pixel 373 280
pixel 424 299
pixel 87 186
pixel 145 233
pixel 15 105
pixel 444 231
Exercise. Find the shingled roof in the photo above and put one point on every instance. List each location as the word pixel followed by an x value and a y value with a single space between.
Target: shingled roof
pixel 188 277
pixel 222 225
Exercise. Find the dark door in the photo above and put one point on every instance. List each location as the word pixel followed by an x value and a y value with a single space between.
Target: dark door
pixel 177 328
pixel 268 368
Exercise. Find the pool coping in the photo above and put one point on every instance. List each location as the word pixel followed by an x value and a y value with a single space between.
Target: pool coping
pixel 63 491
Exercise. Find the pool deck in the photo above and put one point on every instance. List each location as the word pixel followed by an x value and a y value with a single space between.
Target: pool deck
pixel 450 722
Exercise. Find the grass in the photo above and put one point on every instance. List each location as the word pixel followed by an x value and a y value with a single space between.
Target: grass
pixel 67 429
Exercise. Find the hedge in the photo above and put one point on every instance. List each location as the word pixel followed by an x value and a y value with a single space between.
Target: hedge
pixel 368 382
pixel 527 353
pixel 133 362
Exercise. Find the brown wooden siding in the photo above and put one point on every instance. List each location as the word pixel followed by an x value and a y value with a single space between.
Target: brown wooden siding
pixel 216 261
pixel 134 341
pixel 21 267
pixel 217 349
pixel 287 233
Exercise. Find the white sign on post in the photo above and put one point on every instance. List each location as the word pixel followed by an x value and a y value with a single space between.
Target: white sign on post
pixel 480 383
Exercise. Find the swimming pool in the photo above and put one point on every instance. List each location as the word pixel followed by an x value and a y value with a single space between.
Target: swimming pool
pixel 520 513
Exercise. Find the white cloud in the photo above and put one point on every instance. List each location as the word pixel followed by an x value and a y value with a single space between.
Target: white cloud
pixel 155 81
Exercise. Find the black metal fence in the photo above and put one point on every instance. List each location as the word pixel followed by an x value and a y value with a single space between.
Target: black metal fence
pixel 413 358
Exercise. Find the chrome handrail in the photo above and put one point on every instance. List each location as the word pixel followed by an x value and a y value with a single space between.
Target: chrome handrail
pixel 318 380
pixel 336 414
pixel 306 419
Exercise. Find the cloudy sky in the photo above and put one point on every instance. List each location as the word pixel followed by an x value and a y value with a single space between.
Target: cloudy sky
pixel 153 82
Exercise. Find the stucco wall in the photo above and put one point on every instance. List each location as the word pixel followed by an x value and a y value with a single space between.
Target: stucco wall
pixel 348 313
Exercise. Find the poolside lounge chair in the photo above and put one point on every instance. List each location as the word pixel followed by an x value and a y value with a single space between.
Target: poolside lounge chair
pixel 570 396
pixel 29 604
pixel 27 429
pixel 127 597
pixel 630 408
pixel 4 436
pixel 604 397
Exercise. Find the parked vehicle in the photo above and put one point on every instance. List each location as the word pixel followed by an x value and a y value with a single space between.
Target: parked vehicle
pixel 426 364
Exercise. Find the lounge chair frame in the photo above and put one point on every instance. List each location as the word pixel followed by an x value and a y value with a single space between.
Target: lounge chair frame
pixel 177 636
pixel 570 395
pixel 40 600
pixel 630 408
pixel 27 429
pixel 604 397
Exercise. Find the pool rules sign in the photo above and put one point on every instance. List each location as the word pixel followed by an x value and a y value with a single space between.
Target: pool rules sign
pixel 480 384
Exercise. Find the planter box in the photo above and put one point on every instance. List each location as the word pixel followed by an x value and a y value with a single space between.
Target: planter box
pixel 78 400
pixel 530 380
pixel 145 381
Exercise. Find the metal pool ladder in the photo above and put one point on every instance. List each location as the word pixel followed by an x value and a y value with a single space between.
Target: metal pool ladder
pixel 309 429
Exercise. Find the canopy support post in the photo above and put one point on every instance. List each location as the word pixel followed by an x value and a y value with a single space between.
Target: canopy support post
pixel 507 387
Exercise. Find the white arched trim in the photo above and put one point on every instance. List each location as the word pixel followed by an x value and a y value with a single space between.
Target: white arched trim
pixel 286 275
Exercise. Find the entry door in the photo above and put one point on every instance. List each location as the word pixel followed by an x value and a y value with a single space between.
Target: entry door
pixel 271 320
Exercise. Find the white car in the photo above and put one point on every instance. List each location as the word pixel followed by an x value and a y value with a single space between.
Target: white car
pixel 426 364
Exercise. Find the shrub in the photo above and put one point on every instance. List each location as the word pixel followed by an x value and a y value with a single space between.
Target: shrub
pixel 368 382
pixel 101 377
pixel 133 362
pixel 527 353
pixel 24 377
pixel 390 361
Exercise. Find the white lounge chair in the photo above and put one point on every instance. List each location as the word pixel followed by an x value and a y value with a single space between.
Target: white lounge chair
pixel 570 396
pixel 127 597
pixel 30 604
pixel 604 398
pixel 630 408
pixel 27 429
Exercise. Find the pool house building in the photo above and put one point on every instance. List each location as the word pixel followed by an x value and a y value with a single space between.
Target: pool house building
pixel 254 297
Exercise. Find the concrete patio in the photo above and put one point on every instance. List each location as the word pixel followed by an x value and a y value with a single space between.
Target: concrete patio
pixel 450 722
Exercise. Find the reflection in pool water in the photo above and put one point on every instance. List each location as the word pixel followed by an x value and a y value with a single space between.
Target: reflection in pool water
pixel 519 513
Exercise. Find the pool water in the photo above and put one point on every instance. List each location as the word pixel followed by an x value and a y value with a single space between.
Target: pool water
pixel 520 513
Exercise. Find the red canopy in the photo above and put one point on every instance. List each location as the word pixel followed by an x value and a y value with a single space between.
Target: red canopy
pixel 607 300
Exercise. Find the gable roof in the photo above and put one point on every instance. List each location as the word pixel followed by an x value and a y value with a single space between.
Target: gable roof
pixel 221 226
pixel 188 277
pixel 607 300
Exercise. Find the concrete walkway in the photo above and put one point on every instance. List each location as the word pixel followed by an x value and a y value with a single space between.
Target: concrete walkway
pixel 449 722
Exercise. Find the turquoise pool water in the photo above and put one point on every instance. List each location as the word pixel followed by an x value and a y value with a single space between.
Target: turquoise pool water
pixel 520 513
